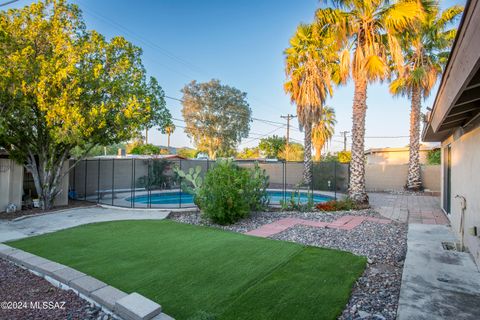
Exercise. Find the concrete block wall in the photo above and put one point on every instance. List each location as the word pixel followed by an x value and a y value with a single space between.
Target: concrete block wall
pixel 391 177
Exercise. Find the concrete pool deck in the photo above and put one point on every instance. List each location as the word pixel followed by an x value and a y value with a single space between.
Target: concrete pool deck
pixel 59 220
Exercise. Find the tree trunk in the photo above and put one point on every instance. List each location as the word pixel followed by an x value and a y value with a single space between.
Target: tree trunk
pixel 168 143
pixel 357 165
pixel 46 173
pixel 146 135
pixel 307 156
pixel 414 179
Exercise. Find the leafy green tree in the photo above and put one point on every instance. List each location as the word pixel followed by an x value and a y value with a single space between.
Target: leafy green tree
pixel 323 131
pixel 62 87
pixel 296 152
pixel 368 29
pixel 310 65
pixel 434 156
pixel 146 149
pixel 249 153
pixel 187 153
pixel 426 49
pixel 97 150
pixel 344 156
pixel 272 146
pixel 217 116
pixel 159 114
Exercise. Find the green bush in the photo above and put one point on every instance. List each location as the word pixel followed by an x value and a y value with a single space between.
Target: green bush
pixel 434 157
pixel 230 193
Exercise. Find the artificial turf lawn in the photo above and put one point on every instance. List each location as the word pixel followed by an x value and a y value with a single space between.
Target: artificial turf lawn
pixel 191 270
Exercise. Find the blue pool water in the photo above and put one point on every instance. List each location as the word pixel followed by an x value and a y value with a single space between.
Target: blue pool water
pixel 187 199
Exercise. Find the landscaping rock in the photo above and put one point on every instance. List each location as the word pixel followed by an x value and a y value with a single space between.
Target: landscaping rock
pixel 20 285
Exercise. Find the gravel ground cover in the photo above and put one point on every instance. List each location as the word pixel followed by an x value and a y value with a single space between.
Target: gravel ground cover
pixel 375 295
pixel 20 290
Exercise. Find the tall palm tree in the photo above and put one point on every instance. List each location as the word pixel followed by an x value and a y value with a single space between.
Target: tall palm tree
pixel 426 49
pixel 169 129
pixel 367 32
pixel 323 131
pixel 309 65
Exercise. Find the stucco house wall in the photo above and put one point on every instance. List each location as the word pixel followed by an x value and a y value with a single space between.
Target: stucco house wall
pixel 465 181
pixel 11 184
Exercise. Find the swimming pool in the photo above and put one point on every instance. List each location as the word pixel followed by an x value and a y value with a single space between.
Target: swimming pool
pixel 183 198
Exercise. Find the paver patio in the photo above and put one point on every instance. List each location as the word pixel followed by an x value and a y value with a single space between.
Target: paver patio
pixel 409 208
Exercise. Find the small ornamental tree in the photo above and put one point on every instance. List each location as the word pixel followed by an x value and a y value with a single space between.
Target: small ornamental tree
pixel 63 87
pixel 217 117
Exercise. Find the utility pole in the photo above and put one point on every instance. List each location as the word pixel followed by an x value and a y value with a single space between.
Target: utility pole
pixel 344 134
pixel 288 117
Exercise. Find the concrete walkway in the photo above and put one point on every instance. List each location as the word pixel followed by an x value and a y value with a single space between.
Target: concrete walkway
pixel 409 208
pixel 437 283
pixel 11 230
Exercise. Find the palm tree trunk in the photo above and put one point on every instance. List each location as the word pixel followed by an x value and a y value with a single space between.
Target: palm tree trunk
pixel 414 179
pixel 307 156
pixel 357 165
pixel 168 143
pixel 146 135
pixel 318 153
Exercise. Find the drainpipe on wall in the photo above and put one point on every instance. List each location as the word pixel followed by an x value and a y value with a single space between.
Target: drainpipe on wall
pixel 463 204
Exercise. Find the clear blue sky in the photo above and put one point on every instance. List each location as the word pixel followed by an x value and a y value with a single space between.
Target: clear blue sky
pixel 241 43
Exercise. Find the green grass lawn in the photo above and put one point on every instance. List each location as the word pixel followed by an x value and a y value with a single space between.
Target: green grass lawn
pixel 192 270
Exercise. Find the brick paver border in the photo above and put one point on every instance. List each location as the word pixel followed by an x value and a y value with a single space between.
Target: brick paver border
pixel 343 223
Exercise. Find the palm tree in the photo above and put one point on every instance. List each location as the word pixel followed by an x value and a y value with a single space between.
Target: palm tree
pixel 169 129
pixel 310 71
pixel 323 131
pixel 426 50
pixel 367 32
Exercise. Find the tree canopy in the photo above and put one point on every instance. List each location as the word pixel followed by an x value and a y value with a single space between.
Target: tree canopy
pixel 271 147
pixel 62 87
pixel 217 116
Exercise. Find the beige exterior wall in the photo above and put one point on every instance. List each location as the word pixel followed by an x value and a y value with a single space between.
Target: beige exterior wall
pixel 387 177
pixel 465 181
pixel 11 184
pixel 393 157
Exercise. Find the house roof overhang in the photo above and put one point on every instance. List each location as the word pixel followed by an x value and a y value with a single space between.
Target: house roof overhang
pixel 457 104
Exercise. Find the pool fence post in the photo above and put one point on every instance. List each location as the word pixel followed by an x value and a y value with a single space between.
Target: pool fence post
pixel 132 191
pixel 98 181
pixel 85 182
pixel 180 187
pixel 335 183
pixel 113 179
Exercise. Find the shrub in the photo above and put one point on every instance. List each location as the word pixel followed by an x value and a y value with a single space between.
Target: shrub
pixel 337 205
pixel 229 192
pixel 295 203
pixel 434 156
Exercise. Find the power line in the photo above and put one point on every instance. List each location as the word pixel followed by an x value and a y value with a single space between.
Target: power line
pixel 7 3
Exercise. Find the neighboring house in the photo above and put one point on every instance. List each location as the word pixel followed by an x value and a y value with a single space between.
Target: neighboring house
pixel 394 155
pixel 455 122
